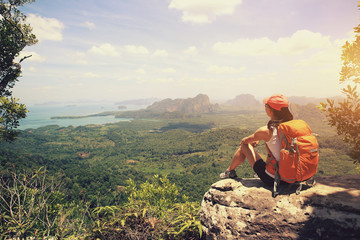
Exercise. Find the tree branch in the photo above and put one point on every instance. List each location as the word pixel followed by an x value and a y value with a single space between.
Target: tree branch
pixel 24 58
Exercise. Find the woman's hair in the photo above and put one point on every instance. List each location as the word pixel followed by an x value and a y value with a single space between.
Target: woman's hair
pixel 281 116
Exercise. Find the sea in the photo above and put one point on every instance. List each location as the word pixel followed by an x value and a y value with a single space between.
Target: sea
pixel 40 115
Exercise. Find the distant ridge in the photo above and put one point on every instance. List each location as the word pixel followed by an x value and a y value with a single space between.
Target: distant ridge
pixel 198 104
pixel 143 101
pixel 244 100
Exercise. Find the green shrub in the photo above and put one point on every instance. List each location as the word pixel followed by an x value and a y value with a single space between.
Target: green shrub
pixel 155 210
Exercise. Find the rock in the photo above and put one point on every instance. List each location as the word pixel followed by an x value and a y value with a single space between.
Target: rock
pixel 245 209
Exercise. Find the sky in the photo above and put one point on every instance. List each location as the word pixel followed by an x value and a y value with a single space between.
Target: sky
pixel 115 50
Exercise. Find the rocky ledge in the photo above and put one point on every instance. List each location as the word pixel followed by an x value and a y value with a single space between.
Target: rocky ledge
pixel 245 209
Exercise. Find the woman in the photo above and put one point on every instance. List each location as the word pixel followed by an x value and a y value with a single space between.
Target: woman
pixel 277 108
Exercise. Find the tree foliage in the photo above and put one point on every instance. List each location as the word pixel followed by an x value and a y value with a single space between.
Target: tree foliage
pixel 15 35
pixel 345 115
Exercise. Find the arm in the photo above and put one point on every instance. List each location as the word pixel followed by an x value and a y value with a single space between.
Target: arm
pixel 262 133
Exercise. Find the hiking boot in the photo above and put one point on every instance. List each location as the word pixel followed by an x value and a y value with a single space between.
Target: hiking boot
pixel 228 174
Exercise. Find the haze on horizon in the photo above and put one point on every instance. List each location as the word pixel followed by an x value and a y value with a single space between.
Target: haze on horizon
pixel 117 50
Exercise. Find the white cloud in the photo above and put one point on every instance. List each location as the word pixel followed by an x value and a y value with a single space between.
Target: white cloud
pixel 141 71
pixel 168 70
pixel 83 75
pixel 204 11
pixel 301 41
pixel 161 53
pixel 81 62
pixel 329 57
pixel 251 47
pixel 136 49
pixel 79 58
pixel 89 25
pixel 90 75
pixel 45 88
pixel 191 50
pixel 224 69
pixel 32 69
pixel 350 38
pixel 79 54
pixel 46 28
pixel 163 80
pixel 298 43
pixel 105 49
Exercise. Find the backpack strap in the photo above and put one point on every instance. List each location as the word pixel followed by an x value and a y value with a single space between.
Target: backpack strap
pixel 276 182
pixel 271 160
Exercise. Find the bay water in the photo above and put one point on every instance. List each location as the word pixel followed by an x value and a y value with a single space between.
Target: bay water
pixel 40 115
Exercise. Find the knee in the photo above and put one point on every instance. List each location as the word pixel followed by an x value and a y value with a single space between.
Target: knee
pixel 244 146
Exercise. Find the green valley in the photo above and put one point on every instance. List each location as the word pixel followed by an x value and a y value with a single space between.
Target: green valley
pixel 96 159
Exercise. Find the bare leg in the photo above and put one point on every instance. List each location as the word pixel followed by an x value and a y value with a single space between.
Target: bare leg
pixel 244 151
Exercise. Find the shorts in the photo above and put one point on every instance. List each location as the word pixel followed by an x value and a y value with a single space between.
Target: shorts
pixel 259 168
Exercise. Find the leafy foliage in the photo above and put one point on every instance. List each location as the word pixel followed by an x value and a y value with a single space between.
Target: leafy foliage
pixel 15 35
pixel 10 113
pixel 153 211
pixel 29 203
pixel 345 115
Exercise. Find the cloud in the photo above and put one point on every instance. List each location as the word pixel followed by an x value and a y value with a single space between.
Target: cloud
pixel 350 37
pixel 301 41
pixel 136 49
pixel 140 71
pixel 163 80
pixel 32 69
pixel 191 50
pixel 204 11
pixel 224 69
pixel 329 58
pixel 298 43
pixel 90 75
pixel 79 58
pixel 168 70
pixel 89 25
pixel 46 28
pixel 105 49
pixel 161 53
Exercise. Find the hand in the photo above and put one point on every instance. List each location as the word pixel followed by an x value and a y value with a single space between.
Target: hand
pixel 246 140
pixel 255 143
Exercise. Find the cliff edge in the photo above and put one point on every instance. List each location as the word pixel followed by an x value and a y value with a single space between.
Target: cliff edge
pixel 245 209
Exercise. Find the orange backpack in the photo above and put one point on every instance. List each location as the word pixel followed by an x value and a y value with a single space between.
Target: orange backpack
pixel 299 155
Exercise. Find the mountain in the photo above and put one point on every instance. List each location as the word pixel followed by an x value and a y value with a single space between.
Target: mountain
pixel 242 102
pixel 198 104
pixel 143 101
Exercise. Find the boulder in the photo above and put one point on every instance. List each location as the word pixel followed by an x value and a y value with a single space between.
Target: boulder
pixel 245 209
